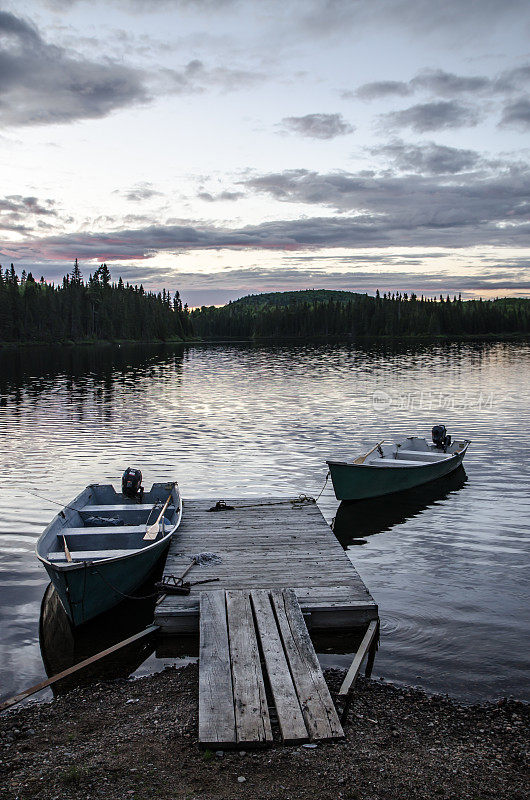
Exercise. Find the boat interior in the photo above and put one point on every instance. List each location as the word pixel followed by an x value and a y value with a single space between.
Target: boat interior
pixel 412 452
pixel 102 523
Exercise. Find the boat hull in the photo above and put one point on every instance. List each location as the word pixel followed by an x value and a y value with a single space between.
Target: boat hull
pixel 90 588
pixel 359 481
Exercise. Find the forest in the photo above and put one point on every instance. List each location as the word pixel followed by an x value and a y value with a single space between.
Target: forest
pixel 81 311
pixel 340 314
pixel 97 309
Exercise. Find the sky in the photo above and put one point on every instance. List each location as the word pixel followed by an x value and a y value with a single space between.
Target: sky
pixel 230 147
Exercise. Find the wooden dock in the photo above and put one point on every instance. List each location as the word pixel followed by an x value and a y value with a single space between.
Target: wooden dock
pixel 254 643
pixel 265 543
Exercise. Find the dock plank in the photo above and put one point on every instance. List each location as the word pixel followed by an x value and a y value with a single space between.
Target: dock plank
pixel 290 717
pixel 250 701
pixel 217 723
pixel 313 694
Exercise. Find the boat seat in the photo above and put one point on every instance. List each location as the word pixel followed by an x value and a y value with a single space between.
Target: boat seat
pixel 90 555
pixel 98 530
pixel 424 455
pixel 395 462
pixel 119 509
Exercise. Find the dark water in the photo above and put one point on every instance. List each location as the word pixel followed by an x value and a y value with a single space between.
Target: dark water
pixel 446 563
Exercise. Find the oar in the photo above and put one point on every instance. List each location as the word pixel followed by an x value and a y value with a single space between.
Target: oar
pixel 66 550
pixel 362 459
pixel 152 530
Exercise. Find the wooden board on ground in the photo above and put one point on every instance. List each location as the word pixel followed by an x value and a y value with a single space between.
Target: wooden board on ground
pixel 313 694
pixel 250 702
pixel 290 717
pixel 217 722
pixel 235 627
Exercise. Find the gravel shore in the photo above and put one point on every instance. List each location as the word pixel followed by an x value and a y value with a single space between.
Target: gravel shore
pixel 137 740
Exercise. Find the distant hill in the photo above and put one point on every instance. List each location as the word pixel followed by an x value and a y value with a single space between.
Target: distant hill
pixel 279 299
pixel 340 314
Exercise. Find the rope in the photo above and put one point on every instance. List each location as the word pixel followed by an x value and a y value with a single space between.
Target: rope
pixel 118 591
pixel 221 505
pixel 146 596
pixel 325 483
pixel 302 498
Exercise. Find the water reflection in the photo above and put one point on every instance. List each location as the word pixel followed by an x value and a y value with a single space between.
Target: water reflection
pixel 355 520
pixel 63 646
pixel 82 376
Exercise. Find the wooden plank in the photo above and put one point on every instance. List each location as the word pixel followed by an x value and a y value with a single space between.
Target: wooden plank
pixel 351 675
pixel 216 699
pixel 290 717
pixel 313 694
pixel 82 664
pixel 253 725
pixel 317 597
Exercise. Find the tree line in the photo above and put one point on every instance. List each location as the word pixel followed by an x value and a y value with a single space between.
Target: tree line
pixel 98 309
pixel 348 315
pixel 82 310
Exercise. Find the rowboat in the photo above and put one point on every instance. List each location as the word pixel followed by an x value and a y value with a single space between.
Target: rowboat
pixel 103 545
pixel 396 466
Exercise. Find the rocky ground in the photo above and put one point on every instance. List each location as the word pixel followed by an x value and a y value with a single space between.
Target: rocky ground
pixel 134 740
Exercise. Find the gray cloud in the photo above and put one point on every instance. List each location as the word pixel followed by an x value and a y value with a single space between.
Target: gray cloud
pixel 513 80
pixel 22 214
pixel 226 195
pixel 464 225
pixel 446 84
pixel 517 114
pixel 477 207
pixel 447 208
pixel 42 83
pixel 26 205
pixel 377 89
pixel 141 192
pixel 429 158
pixel 318 126
pixel 456 17
pixel 196 78
pixel 432 116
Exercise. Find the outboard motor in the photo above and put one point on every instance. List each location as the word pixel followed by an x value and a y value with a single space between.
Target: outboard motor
pixel 131 483
pixel 440 437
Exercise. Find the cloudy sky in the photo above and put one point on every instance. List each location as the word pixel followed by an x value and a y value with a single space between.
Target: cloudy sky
pixel 227 147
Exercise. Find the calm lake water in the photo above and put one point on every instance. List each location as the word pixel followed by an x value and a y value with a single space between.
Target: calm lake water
pixel 446 563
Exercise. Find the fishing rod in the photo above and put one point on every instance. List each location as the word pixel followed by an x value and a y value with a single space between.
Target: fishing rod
pixel 48 500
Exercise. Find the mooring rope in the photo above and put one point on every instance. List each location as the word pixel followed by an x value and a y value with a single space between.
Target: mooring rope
pixel 302 498
pixel 222 505
pixel 118 591
pixel 325 483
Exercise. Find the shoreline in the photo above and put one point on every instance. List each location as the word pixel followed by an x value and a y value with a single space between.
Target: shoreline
pixel 347 339
pixel 137 739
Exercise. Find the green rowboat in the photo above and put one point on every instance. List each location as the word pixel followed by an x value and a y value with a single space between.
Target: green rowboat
pixel 103 545
pixel 394 467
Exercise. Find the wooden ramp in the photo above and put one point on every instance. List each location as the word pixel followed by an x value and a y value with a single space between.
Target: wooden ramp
pixel 272 542
pixel 255 651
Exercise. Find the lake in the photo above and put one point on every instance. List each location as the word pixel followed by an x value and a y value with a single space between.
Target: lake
pixel 446 563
